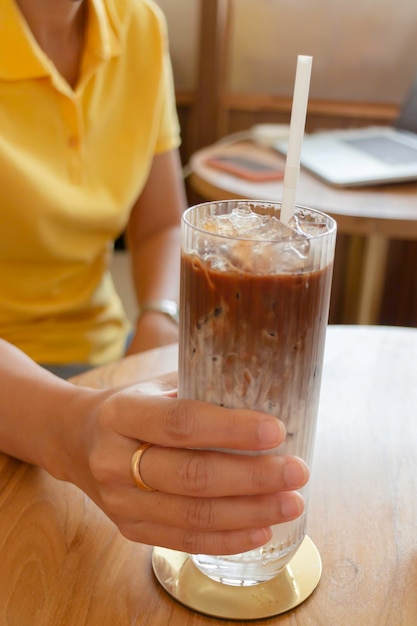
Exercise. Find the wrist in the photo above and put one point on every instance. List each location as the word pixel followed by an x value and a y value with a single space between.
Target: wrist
pixel 71 432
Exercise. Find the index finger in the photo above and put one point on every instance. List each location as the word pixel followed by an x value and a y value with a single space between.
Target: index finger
pixel 174 422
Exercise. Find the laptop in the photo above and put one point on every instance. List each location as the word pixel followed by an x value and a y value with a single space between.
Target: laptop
pixel 364 156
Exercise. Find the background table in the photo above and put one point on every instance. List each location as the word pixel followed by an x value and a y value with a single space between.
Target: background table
pixel 63 563
pixel 377 213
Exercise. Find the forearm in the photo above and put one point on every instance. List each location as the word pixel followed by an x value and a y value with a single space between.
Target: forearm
pixel 156 266
pixel 153 232
pixel 154 239
pixel 38 412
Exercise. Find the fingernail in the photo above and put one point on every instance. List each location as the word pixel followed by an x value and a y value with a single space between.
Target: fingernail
pixel 260 536
pixel 271 432
pixel 291 507
pixel 295 474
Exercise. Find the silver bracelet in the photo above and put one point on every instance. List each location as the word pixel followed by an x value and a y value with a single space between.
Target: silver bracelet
pixel 166 307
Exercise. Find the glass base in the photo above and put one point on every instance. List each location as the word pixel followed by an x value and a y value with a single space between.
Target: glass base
pixel 178 575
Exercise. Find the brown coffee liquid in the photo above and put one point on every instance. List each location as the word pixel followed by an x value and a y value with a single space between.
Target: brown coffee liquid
pixel 255 341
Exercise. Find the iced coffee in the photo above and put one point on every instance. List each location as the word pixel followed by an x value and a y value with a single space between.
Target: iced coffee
pixel 254 308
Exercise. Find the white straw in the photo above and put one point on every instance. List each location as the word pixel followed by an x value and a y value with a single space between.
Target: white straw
pixel 297 125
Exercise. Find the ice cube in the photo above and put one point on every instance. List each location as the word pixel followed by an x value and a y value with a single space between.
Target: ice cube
pixel 253 247
pixel 245 223
pixel 308 223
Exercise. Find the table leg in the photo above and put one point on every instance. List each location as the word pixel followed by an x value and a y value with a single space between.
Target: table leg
pixel 352 279
pixel 372 284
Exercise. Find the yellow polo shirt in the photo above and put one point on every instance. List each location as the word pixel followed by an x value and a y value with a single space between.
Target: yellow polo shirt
pixel 72 163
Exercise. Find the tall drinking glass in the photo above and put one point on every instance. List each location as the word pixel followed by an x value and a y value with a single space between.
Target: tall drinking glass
pixel 254 307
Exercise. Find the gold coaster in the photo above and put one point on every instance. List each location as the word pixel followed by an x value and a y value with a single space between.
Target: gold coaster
pixel 179 576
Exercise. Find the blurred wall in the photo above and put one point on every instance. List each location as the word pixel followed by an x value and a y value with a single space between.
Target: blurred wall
pixel 364 50
pixel 183 27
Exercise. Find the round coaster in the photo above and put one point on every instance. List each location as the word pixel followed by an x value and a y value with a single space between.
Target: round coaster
pixel 183 581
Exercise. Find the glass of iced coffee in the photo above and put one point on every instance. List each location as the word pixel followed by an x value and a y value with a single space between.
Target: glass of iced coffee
pixel 254 308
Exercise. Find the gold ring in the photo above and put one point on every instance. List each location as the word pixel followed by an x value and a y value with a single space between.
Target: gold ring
pixel 135 467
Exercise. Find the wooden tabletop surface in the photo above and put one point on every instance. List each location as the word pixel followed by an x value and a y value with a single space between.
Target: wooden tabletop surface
pixel 63 563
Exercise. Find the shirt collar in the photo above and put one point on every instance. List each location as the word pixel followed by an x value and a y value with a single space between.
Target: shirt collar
pixel 21 57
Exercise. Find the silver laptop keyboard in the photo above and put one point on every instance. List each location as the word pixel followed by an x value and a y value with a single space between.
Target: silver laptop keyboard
pixel 385 149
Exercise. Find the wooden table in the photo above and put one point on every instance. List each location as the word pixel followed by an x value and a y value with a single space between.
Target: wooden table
pixel 63 563
pixel 378 213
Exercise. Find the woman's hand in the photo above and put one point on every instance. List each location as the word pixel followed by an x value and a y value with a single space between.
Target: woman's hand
pixel 204 501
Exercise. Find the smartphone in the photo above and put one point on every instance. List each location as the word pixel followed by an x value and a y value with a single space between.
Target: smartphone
pixel 245 167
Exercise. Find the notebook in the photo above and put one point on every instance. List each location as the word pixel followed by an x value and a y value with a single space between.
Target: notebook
pixel 364 156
